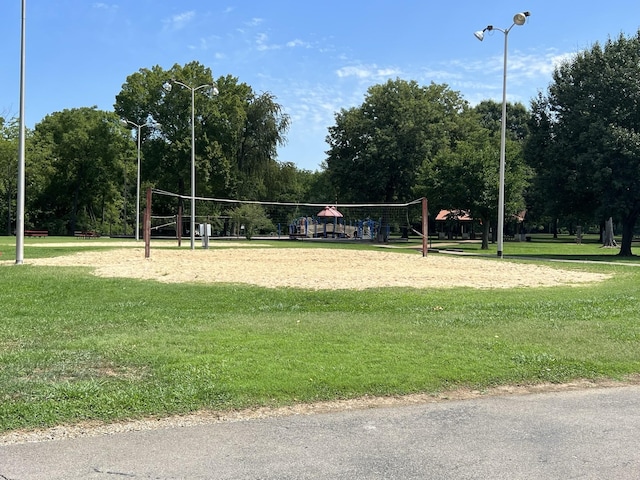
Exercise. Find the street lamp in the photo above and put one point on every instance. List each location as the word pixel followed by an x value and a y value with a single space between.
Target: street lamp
pixel 518 19
pixel 214 91
pixel 139 127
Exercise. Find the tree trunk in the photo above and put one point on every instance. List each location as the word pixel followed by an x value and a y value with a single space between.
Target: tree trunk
pixel 628 225
pixel 74 212
pixel 486 226
pixel 608 241
pixel 9 197
pixel 601 233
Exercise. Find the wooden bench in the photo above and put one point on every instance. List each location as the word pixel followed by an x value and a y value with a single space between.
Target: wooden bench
pixel 86 234
pixel 36 233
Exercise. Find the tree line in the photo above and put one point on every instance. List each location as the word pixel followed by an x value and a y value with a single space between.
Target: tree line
pixel 573 157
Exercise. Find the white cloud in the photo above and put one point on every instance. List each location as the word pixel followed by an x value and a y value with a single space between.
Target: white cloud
pixel 433 75
pixel 367 72
pixel 312 106
pixel 180 20
pixel 519 64
pixel 545 64
pixel 208 43
pixel 105 6
pixel 254 22
pixel 354 71
pixel 297 43
pixel 262 42
pixel 527 73
pixel 387 72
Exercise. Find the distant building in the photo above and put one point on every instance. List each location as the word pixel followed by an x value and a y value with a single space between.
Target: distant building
pixel 454 224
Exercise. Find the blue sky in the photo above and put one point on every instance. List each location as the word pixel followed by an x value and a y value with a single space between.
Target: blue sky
pixel 315 57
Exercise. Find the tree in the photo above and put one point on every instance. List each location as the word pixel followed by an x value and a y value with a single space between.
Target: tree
pixel 166 142
pixel 83 150
pixel 517 121
pixel 262 132
pixel 8 171
pixel 377 149
pixel 589 125
pixel 250 219
pixel 559 187
pixel 466 176
pixel 237 131
pixel 317 186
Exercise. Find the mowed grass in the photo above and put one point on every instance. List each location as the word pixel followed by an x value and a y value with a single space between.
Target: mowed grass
pixel 75 347
pixel 544 246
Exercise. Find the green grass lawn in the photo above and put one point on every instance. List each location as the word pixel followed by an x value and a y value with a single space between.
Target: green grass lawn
pixel 76 347
pixel 546 247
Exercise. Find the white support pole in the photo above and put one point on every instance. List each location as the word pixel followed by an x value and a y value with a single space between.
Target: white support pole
pixel 193 168
pixel 21 149
pixel 503 139
pixel 138 189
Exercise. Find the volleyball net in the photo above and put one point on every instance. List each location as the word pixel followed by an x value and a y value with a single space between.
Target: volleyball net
pixel 170 216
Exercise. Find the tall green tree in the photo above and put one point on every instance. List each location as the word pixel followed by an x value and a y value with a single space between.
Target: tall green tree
pixel 466 175
pixel 262 132
pixel 166 137
pixel 237 131
pixel 377 149
pixel 8 171
pixel 556 190
pixel 517 121
pixel 589 123
pixel 83 150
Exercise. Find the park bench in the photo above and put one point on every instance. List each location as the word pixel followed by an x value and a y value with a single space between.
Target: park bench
pixel 36 233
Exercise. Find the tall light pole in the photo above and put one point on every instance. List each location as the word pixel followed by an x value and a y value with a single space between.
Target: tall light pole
pixel 518 19
pixel 139 127
pixel 167 87
pixel 21 149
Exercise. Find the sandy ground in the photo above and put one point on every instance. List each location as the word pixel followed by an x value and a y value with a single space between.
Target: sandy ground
pixel 317 268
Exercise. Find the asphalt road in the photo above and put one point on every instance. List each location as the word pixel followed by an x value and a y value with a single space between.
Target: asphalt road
pixel 585 434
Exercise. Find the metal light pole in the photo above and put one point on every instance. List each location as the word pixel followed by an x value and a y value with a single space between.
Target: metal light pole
pixel 167 87
pixel 518 19
pixel 139 127
pixel 21 150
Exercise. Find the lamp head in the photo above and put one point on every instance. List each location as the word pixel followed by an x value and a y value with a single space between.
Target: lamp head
pixel 167 86
pixel 520 18
pixel 480 33
pixel 215 91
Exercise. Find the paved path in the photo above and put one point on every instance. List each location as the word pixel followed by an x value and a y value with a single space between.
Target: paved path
pixel 586 434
